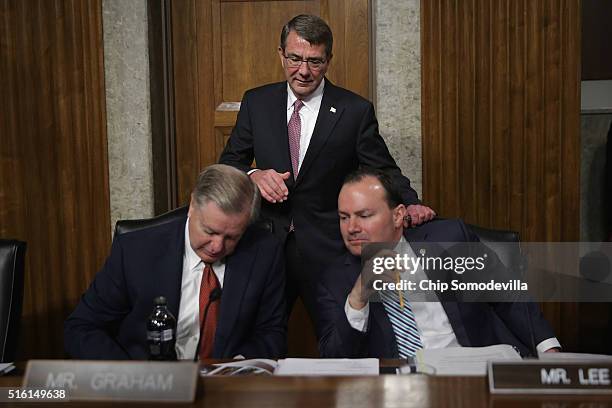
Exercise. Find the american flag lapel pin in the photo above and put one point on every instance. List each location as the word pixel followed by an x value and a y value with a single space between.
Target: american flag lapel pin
pixel 332 109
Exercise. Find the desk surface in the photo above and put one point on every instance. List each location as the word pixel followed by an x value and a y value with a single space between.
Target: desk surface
pixel 353 392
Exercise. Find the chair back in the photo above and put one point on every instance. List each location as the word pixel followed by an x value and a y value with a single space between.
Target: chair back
pixel 12 267
pixel 497 241
pixel 124 226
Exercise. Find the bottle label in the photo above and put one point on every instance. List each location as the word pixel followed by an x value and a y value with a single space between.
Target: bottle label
pixel 167 335
pixel 164 335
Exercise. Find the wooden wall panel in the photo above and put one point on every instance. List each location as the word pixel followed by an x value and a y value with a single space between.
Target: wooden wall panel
pixel 500 109
pixel 53 158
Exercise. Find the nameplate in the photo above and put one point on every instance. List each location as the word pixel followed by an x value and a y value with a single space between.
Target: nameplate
pixel 115 380
pixel 537 377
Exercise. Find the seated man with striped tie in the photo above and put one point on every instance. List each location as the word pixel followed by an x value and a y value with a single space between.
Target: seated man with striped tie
pixel 211 257
pixel 349 325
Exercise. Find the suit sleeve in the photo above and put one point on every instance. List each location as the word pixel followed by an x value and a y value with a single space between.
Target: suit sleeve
pixel 269 335
pixel 523 318
pixel 238 151
pixel 337 339
pixel 88 331
pixel 372 152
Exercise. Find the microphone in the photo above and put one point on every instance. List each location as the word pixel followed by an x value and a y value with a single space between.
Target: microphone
pixel 214 296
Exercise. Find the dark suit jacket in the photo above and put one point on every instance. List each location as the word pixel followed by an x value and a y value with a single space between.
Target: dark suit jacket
pixel 110 320
pixel 341 141
pixel 474 324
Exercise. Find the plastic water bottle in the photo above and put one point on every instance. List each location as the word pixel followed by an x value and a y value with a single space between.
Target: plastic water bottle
pixel 161 332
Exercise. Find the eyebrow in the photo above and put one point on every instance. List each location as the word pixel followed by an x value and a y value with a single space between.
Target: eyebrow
pixel 321 58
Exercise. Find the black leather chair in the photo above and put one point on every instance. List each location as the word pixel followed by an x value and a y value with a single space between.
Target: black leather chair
pixel 123 226
pixel 502 243
pixel 12 266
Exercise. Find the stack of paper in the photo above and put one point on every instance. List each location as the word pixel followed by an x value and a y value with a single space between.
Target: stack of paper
pixel 295 366
pixel 6 367
pixel 461 360
pixel 327 366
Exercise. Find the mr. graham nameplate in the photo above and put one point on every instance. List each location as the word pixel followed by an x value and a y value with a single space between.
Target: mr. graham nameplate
pixel 115 380
pixel 540 377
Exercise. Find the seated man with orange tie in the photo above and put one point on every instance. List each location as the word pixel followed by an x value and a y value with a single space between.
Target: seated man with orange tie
pixel 349 325
pixel 213 249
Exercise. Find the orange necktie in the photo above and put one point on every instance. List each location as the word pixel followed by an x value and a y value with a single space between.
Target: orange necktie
pixel 207 285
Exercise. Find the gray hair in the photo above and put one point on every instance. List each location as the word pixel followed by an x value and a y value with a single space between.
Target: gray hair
pixel 311 28
pixel 229 188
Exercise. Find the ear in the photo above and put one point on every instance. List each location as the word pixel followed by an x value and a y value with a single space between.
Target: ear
pixel 281 55
pixel 191 206
pixel 399 213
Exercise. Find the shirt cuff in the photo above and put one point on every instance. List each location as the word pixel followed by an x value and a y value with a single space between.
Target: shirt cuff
pixel 548 344
pixel 251 171
pixel 358 319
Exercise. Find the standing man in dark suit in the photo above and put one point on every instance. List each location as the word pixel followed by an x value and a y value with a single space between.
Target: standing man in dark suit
pixel 212 249
pixel 371 210
pixel 306 135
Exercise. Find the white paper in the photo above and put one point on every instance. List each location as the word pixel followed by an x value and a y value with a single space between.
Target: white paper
pixel 462 361
pixel 327 366
pixel 243 367
pixel 6 367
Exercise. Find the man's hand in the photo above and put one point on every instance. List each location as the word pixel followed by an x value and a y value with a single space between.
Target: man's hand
pixel 419 214
pixel 271 184
pixel 362 289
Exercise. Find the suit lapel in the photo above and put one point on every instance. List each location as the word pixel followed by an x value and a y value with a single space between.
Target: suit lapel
pixel 238 270
pixel 329 114
pixel 454 317
pixel 169 267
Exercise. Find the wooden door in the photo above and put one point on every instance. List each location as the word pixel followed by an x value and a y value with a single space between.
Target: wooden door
pixel 222 48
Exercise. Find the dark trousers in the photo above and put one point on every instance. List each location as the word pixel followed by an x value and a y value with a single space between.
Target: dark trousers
pixel 301 278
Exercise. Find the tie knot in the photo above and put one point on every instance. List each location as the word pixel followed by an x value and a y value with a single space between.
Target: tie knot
pixel 297 105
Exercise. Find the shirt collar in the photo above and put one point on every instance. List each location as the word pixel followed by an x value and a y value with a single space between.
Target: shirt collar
pixel 191 258
pixel 312 102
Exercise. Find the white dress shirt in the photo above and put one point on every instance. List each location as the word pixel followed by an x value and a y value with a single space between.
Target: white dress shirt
pixel 431 319
pixel 308 116
pixel 188 324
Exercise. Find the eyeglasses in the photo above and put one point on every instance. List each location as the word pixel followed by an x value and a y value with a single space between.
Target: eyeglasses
pixel 314 64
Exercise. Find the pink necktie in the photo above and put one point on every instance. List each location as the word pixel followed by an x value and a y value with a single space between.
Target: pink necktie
pixel 294 128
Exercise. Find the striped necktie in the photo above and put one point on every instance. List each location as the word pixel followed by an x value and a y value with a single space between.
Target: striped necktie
pixel 403 322
pixel 294 128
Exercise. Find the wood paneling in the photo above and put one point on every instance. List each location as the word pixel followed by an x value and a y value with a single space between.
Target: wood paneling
pixel 500 109
pixel 222 48
pixel 53 157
